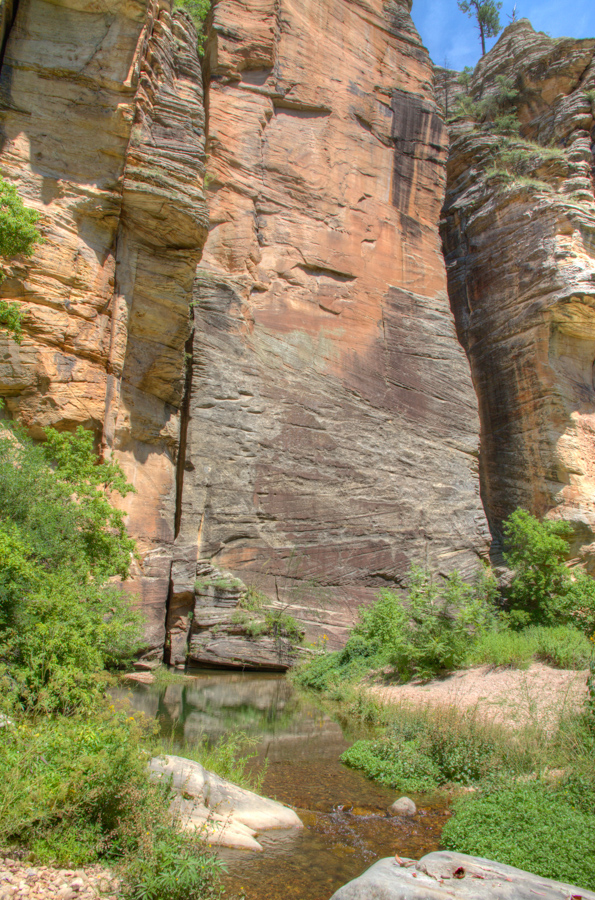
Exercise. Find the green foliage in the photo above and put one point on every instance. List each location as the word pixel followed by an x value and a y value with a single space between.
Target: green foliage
pixel 425 749
pixel 231 757
pixel 560 646
pixel 506 123
pixel 432 633
pixel 174 867
pixel 253 600
pixel 18 224
pixel 218 582
pixel 61 621
pixel 535 826
pixel 544 591
pixel 11 320
pixel 486 14
pixel 18 235
pixel 77 790
pixel 426 632
pixel 198 11
pixel 465 77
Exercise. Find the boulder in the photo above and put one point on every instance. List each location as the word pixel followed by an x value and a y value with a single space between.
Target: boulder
pixel 230 816
pixel 454 876
pixel 403 807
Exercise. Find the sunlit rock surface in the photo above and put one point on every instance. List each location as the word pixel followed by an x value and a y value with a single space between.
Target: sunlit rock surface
pixel 520 253
pixel 103 132
pixel 453 876
pixel 332 436
pixel 299 410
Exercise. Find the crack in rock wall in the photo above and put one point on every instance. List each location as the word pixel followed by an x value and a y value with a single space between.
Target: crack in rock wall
pixel 102 131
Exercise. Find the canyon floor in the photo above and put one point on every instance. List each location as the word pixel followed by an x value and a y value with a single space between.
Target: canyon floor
pixel 539 695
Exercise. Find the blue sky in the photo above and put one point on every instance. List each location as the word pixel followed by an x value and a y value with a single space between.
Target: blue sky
pixel 449 33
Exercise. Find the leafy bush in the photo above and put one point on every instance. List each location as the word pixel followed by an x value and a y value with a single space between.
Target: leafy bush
pixel 562 647
pixel 18 224
pixel 18 235
pixel 198 11
pixel 426 632
pixel 61 622
pixel 544 591
pixel 76 790
pixel 424 749
pixel 545 829
pixel 431 633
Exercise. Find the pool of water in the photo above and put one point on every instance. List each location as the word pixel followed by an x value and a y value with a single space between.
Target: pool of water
pixel 346 825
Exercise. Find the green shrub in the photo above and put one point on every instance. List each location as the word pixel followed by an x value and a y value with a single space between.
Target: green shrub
pixel 423 749
pixel 544 591
pixel 562 647
pixel 18 236
pixel 198 11
pixel 61 621
pixel 76 790
pixel 535 826
pixel 431 631
pixel 405 767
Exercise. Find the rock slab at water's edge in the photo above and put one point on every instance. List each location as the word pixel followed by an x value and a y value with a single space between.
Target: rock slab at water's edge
pixel 454 876
pixel 231 816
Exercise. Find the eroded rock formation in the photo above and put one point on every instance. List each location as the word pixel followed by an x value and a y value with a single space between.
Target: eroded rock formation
pixel 332 432
pixel 308 421
pixel 519 237
pixel 103 132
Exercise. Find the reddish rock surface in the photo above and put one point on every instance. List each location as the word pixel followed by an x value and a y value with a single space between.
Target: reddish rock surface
pixel 313 396
pixel 518 229
pixel 103 132
pixel 332 435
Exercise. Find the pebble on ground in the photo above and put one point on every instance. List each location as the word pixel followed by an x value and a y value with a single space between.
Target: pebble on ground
pixel 22 880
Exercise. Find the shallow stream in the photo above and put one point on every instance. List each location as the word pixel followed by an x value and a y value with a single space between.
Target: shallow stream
pixel 346 825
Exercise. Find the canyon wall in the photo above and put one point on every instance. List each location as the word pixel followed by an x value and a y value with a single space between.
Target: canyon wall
pixel 332 433
pixel 102 131
pixel 297 410
pixel 519 238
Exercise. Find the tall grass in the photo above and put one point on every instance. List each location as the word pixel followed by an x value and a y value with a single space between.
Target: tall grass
pixel 561 646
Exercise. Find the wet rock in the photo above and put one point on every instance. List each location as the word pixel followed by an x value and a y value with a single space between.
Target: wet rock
pixel 453 876
pixel 230 815
pixel 403 807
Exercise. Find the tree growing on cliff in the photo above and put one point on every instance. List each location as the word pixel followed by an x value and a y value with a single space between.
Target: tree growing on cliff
pixel 486 13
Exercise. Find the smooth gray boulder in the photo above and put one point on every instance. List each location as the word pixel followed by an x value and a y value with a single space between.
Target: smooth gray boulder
pixel 454 876
pixel 229 815
pixel 403 807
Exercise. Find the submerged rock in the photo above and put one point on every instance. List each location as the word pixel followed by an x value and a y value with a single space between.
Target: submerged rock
pixel 443 875
pixel 229 815
pixel 403 807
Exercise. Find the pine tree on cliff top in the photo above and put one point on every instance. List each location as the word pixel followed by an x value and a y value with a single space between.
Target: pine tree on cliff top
pixel 486 13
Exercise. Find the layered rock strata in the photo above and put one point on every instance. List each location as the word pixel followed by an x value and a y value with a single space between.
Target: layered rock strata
pixel 332 435
pixel 519 238
pixel 298 410
pixel 103 132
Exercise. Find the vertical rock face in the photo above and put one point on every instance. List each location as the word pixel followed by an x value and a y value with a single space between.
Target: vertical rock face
pixel 332 432
pixel 102 129
pixel 519 237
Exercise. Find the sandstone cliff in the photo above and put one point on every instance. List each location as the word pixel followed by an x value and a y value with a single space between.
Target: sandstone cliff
pixel 297 409
pixel 519 238
pixel 103 132
pixel 332 432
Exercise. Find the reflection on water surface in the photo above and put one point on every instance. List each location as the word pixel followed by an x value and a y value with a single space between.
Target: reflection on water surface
pixel 347 828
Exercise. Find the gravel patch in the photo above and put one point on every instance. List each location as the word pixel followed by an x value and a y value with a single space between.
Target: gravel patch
pixel 18 879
